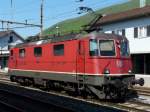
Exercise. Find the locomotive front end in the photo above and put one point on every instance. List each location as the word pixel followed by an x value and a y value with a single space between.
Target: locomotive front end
pixel 111 53
pixel 122 66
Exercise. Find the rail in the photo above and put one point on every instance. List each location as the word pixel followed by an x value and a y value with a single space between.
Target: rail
pixel 142 91
pixel 34 102
pixel 9 108
pixel 134 105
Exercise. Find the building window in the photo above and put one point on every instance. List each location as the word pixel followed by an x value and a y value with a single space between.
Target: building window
pixel 38 51
pixel 9 47
pixel 135 32
pixel 21 53
pixel 123 32
pixel 10 39
pixel 113 32
pixel 119 32
pixel 58 50
pixel 148 30
pixel 142 31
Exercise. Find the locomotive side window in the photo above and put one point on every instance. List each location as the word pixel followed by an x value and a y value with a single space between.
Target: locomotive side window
pixel 58 50
pixel 38 51
pixel 21 53
pixel 93 47
pixel 107 47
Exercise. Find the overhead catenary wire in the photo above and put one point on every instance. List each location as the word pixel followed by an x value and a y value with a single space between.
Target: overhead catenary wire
pixel 47 18
pixel 26 9
pixel 16 27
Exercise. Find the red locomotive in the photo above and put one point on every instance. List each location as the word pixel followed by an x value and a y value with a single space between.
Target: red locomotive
pixel 94 63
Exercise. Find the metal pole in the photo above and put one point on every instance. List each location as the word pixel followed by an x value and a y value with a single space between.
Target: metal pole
pixel 42 2
pixel 12 12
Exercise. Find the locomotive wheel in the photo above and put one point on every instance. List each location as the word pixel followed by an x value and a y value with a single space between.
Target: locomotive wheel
pixel 28 82
pixel 102 95
pixel 112 92
pixel 13 78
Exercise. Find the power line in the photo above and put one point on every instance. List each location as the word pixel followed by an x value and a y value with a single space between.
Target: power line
pixel 15 27
pixel 17 23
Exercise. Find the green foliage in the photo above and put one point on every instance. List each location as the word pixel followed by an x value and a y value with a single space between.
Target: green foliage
pixel 76 24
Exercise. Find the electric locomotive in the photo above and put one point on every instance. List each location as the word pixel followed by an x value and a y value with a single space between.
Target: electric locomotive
pixel 95 64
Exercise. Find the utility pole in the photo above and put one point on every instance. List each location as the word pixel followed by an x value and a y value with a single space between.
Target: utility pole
pixel 42 4
pixel 12 12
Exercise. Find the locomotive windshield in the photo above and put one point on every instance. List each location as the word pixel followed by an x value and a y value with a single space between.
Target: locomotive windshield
pixel 102 47
pixel 107 47
pixel 124 48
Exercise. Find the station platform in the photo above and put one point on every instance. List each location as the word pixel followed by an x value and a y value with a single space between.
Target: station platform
pixel 146 79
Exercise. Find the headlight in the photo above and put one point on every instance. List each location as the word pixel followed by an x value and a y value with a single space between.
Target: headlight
pixel 106 71
pixel 129 71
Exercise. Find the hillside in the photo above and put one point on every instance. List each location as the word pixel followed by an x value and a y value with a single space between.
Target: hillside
pixel 76 23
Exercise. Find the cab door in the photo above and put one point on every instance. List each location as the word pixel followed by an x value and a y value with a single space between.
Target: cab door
pixel 12 59
pixel 15 59
pixel 81 58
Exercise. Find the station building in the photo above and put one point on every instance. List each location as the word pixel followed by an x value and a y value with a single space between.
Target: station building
pixel 135 25
pixel 7 39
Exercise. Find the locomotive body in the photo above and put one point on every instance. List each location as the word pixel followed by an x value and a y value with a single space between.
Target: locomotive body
pixel 97 64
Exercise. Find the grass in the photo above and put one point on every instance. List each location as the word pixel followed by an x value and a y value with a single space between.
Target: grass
pixel 76 24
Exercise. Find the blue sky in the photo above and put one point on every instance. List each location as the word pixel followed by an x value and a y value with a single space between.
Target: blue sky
pixel 54 11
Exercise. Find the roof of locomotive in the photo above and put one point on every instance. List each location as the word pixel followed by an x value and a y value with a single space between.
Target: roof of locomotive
pixel 72 37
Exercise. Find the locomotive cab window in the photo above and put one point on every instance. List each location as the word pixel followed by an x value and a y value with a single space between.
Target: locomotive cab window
pixel 21 53
pixel 58 50
pixel 124 50
pixel 107 47
pixel 38 51
pixel 93 47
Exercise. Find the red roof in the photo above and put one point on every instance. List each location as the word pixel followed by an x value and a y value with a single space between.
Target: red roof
pixel 122 16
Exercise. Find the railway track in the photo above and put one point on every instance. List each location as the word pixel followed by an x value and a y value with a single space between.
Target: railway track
pixel 5 107
pixel 28 103
pixel 143 91
pixel 133 105
pixel 25 103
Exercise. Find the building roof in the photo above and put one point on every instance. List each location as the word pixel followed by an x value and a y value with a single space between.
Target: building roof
pixel 126 15
pixel 6 33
